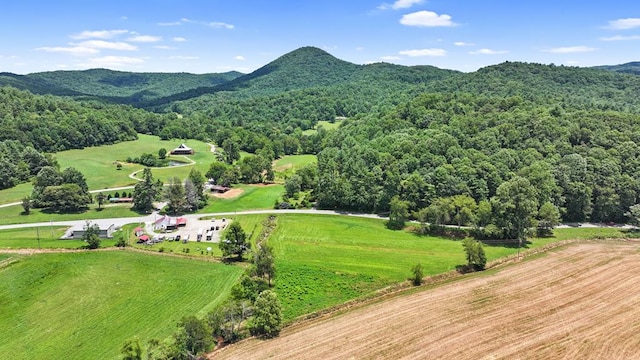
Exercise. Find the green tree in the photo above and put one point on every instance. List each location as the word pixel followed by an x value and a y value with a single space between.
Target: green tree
pixel 235 241
pixel 162 153
pixel 100 198
pixel 399 213
pixel 26 205
pixel 91 235
pixel 634 215
pixel 146 191
pixel 464 207
pixel 65 198
pixel 131 350
pixel 216 171
pixel 516 206
pixel 292 185
pixel 231 151
pixel 264 262
pixel 548 218
pixel 175 195
pixel 267 316
pixel 418 274
pixel 193 336
pixel 474 252
pixel 197 179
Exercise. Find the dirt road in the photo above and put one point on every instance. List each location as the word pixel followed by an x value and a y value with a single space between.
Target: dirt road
pixel 579 302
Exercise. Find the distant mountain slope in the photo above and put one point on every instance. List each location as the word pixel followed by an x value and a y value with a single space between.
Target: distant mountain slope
pixel 628 68
pixel 115 86
pixel 311 68
pixel 583 87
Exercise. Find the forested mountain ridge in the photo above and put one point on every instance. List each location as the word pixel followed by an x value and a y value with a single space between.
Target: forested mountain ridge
pixel 629 68
pixel 114 86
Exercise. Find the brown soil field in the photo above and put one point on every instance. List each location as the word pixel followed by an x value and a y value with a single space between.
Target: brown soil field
pixel 233 193
pixel 578 302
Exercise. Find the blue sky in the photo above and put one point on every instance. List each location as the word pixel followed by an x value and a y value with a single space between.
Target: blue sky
pixel 209 36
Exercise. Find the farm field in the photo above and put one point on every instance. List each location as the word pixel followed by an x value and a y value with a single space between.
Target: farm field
pixel 85 305
pixel 356 256
pixel 575 302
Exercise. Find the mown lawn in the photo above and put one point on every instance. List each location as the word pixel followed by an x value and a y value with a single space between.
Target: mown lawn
pixel 85 305
pixel 14 214
pixel 253 197
pixel 98 164
pixel 323 261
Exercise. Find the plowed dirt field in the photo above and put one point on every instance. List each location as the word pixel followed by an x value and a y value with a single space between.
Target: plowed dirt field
pixel 579 302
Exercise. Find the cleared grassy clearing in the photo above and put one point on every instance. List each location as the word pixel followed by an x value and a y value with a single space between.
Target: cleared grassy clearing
pixel 253 197
pixel 286 166
pixel 323 261
pixel 85 305
pixel 327 125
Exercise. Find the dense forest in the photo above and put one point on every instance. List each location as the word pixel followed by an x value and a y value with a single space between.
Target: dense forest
pixel 414 135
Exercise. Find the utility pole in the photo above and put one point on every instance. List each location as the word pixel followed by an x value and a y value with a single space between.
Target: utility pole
pixel 38 235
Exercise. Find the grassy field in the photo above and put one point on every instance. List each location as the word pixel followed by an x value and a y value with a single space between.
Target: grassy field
pixel 98 164
pixel 326 260
pixel 287 165
pixel 253 197
pixel 85 305
pixel 325 124
pixel 14 215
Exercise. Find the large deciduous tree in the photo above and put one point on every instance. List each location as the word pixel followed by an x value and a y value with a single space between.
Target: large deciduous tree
pixel 515 206
pixel 235 242
pixel 267 316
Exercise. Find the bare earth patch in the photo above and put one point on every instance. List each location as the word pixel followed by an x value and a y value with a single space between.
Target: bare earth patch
pixel 580 302
pixel 233 193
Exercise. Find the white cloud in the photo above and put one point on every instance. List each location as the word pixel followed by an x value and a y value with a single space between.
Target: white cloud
pixel 73 50
pixel 570 49
pixel 426 19
pixel 179 39
pixel 359 48
pixel 101 34
pixel 572 62
pixel 113 61
pixel 400 4
pixel 164 47
pixel 221 25
pixel 239 58
pixel 624 24
pixel 487 52
pixel 145 38
pixel 620 38
pixel 182 57
pixel 424 52
pixel 101 44
pixel 173 23
pixel 390 58
pixel 462 43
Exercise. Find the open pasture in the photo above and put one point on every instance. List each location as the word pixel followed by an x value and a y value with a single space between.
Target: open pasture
pixel 324 261
pixel 578 302
pixel 85 305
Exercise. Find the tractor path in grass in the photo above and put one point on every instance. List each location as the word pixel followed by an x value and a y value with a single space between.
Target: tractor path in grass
pixel 578 302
